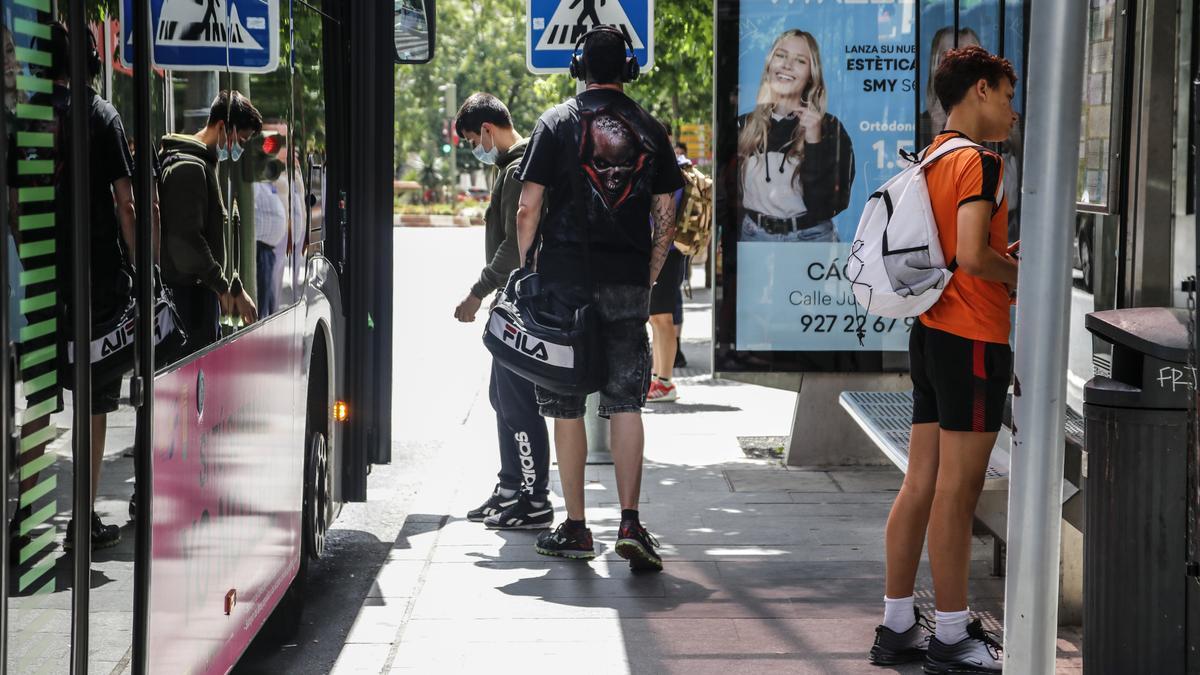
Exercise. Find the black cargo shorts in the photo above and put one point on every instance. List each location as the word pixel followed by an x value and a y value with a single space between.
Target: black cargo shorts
pixel 622 311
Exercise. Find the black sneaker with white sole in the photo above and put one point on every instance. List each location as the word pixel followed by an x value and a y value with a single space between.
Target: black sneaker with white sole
pixel 566 542
pixel 103 536
pixel 979 652
pixel 522 515
pixel 637 546
pixel 494 505
pixel 892 648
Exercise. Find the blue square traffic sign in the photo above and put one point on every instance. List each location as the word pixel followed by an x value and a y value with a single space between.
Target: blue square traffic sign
pixel 553 27
pixel 240 35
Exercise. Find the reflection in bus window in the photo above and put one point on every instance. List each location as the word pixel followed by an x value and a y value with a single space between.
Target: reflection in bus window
pixel 309 88
pixel 199 255
pixel 1096 128
pixel 271 191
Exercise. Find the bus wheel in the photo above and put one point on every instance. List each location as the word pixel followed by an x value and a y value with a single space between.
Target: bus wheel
pixel 318 489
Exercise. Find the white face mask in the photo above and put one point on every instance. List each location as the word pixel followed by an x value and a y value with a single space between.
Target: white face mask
pixel 234 154
pixel 486 156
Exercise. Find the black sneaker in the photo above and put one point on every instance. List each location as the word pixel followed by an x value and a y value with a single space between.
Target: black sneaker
pixel 494 505
pixel 892 648
pixel 566 543
pixel 103 536
pixel 979 652
pixel 637 546
pixel 680 359
pixel 522 515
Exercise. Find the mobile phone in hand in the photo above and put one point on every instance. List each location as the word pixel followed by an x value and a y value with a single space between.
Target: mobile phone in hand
pixel 1014 249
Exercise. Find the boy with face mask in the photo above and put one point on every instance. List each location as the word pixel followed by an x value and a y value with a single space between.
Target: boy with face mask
pixel 519 499
pixel 193 212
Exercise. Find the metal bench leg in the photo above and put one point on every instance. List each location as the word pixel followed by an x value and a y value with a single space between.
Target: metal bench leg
pixel 999 556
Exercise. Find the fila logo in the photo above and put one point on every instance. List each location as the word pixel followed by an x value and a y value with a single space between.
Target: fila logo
pixel 549 353
pixel 522 341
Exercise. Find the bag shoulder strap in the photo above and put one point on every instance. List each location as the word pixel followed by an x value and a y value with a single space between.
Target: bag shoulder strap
pixel 953 145
pixel 946 148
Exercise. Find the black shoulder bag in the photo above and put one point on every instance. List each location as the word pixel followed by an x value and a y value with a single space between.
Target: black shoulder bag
pixel 538 336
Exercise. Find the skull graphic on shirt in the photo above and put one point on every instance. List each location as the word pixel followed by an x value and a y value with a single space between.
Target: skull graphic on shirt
pixel 612 155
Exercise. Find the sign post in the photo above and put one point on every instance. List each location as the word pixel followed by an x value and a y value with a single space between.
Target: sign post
pixel 554 26
pixel 239 35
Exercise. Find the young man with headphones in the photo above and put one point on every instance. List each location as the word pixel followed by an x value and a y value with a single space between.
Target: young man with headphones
pixel 601 166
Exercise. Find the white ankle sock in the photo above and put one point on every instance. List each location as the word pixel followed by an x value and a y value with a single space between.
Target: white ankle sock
pixel 952 626
pixel 898 613
pixel 506 493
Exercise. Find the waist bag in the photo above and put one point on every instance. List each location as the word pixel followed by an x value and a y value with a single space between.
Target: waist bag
pixel 897 268
pixel 111 351
pixel 537 336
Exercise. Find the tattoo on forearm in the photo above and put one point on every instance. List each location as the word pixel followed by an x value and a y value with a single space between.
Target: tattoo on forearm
pixel 664 233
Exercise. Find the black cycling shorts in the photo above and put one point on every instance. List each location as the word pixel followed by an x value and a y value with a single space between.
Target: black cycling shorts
pixel 665 294
pixel 958 383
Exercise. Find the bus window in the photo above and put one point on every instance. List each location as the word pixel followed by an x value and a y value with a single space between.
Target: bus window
pixel 268 203
pixel 414 32
pixel 310 126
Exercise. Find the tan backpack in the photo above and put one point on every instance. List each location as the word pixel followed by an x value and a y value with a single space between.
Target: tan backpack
pixel 694 220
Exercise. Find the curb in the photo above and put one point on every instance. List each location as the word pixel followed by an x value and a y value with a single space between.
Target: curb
pixel 414 220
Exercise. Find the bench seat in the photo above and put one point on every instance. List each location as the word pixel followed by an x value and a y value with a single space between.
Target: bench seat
pixel 886 418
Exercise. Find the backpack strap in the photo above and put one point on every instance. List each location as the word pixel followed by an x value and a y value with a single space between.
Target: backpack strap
pixel 957 143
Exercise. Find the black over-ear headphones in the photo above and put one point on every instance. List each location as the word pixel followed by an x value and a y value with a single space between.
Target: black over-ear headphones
pixel 579 67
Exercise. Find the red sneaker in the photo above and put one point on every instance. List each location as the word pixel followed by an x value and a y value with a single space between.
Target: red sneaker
pixel 661 393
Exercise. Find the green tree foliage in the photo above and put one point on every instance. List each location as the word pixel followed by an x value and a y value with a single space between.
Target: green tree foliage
pixel 481 47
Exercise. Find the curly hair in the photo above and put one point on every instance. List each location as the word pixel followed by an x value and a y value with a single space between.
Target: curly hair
pixel 961 68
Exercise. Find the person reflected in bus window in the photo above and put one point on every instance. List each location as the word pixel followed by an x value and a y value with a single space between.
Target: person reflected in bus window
pixel 796 161
pixel 270 228
pixel 112 242
pixel 520 499
pixel 194 218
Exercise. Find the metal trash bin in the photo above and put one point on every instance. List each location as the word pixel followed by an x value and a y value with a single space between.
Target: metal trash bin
pixel 1135 490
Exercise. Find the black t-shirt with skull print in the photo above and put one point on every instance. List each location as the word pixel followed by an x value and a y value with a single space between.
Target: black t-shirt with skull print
pixel 601 158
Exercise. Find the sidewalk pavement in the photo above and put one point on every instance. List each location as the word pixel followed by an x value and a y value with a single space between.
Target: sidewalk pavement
pixel 769 569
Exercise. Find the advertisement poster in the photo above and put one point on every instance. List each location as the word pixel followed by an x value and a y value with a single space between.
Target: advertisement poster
pixel 826 104
pixel 829 94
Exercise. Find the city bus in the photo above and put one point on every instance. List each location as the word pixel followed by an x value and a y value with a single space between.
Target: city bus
pixel 224 464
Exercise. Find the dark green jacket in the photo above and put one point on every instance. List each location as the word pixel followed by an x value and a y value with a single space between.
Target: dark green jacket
pixel 193 214
pixel 500 223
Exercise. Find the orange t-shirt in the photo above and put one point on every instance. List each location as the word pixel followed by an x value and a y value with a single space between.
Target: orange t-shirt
pixel 969 307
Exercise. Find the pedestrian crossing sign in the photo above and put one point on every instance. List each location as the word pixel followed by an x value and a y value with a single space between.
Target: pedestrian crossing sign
pixel 239 35
pixel 553 27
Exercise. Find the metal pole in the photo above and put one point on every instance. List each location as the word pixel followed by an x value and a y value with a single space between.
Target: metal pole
pixel 144 377
pixel 1057 43
pixel 81 334
pixel 595 426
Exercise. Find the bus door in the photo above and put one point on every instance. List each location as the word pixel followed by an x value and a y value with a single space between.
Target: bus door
pixel 67 317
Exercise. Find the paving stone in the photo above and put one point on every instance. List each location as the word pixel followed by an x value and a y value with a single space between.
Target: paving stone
pixel 378 624
pixel 397 579
pixel 358 659
pixel 744 480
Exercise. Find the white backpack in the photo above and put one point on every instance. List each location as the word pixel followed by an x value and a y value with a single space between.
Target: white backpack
pixel 897 268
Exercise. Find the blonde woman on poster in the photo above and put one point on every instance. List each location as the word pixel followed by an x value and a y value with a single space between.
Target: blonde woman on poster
pixel 796 161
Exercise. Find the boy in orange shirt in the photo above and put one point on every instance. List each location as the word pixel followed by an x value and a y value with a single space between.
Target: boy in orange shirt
pixel 961 367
